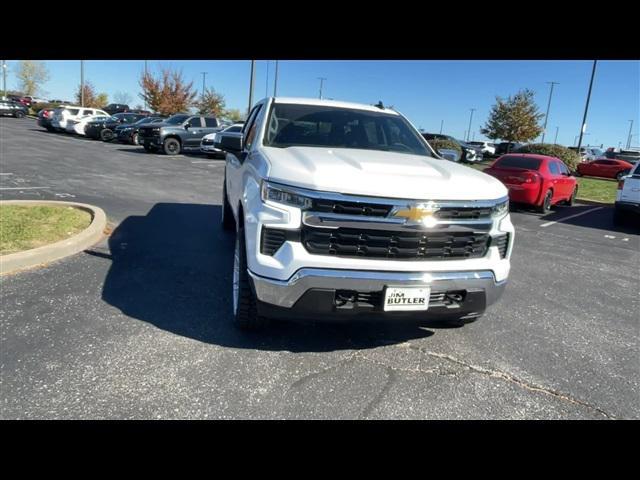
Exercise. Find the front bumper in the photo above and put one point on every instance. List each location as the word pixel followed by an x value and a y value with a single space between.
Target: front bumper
pixel 319 293
pixel 629 207
pixel 209 149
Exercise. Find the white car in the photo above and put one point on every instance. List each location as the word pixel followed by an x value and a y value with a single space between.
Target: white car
pixel 343 210
pixel 485 147
pixel 78 125
pixel 67 112
pixel 206 144
pixel 627 203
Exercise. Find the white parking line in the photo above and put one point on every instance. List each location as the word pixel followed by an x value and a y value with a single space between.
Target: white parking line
pixel 6 173
pixel 21 188
pixel 570 216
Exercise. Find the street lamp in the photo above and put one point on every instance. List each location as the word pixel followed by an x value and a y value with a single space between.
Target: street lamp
pixel 629 136
pixel 322 79
pixel 4 78
pixel 546 117
pixel 586 107
pixel 253 63
pixel 275 82
pixel 470 118
pixel 204 74
pixel 555 140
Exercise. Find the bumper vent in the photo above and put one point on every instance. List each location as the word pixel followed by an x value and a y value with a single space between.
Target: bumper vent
pixel 502 242
pixel 418 245
pixel 272 239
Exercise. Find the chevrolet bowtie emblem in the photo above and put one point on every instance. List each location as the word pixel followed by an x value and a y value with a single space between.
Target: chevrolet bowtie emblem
pixel 423 213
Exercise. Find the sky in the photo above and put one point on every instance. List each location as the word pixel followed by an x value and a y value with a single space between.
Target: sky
pixel 426 92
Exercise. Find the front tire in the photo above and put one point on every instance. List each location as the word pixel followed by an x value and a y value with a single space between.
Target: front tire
pixel 19 114
pixel 171 146
pixel 106 135
pixel 245 310
pixel 546 203
pixel 134 139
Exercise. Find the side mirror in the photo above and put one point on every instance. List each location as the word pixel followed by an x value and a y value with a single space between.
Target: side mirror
pixel 228 143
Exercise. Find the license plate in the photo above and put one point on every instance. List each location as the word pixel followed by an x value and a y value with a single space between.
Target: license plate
pixel 406 298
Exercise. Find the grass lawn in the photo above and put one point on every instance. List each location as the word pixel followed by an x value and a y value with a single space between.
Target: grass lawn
pixel 27 227
pixel 598 189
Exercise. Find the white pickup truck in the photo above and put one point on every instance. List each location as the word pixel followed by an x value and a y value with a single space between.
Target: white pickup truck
pixel 343 210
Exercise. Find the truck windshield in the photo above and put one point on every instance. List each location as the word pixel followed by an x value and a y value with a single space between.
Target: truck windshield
pixel 292 125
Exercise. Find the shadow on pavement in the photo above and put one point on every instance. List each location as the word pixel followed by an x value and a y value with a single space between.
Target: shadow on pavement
pixel 172 268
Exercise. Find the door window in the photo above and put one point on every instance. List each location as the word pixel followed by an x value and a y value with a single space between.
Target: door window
pixel 195 122
pixel 251 128
pixel 553 168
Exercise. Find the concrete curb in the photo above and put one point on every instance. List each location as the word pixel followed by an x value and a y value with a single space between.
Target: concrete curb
pixel 594 202
pixel 91 235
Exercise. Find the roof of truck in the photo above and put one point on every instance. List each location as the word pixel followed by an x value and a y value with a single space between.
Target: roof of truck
pixel 332 103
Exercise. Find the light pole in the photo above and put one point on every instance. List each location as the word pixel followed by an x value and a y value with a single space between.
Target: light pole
pixel 266 84
pixel 555 140
pixel 575 139
pixel 629 136
pixel 470 118
pixel 82 83
pixel 322 79
pixel 586 107
pixel 253 63
pixel 204 74
pixel 441 124
pixel 4 79
pixel 546 117
pixel 275 83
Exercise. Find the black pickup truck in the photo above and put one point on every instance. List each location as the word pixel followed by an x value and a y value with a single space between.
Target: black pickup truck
pixel 177 133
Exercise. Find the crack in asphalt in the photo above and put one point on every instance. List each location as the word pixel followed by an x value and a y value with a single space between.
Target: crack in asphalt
pixel 512 379
pixel 391 379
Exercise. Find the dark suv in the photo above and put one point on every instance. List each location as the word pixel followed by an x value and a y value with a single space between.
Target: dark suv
pixel 128 132
pixel 15 109
pixel 114 108
pixel 177 133
pixel 105 130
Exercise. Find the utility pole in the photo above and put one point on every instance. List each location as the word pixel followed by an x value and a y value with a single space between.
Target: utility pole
pixel 555 140
pixel 441 124
pixel 82 83
pixel 266 86
pixel 470 118
pixel 628 137
pixel 4 78
pixel 275 83
pixel 546 117
pixel 253 64
pixel 586 107
pixel 204 74
pixel 322 79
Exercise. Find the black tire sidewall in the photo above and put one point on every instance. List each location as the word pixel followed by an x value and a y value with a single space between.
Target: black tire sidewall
pixel 106 135
pixel 134 139
pixel 168 142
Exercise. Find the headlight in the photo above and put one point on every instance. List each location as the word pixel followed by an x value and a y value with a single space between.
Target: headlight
pixel 500 209
pixel 280 194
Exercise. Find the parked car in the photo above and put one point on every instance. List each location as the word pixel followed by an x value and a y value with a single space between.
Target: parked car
pixel 146 112
pixel 13 109
pixel 64 113
pixel 45 116
pixel 537 180
pixel 105 129
pixel 341 210
pixel 631 156
pixel 206 144
pixel 114 108
pixel 507 147
pixel 469 154
pixel 79 125
pixel 177 132
pixel 486 148
pixel 589 153
pixel 604 168
pixel 128 133
pixel 627 205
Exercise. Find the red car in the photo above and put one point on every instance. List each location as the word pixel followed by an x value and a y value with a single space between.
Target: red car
pixel 536 180
pixel 605 168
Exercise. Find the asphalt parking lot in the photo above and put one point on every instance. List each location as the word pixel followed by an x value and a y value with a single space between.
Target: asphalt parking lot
pixel 139 326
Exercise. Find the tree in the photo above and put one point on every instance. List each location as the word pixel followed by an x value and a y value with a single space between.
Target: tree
pixel 168 93
pixel 123 98
pixel 31 75
pixel 211 103
pixel 234 115
pixel 91 98
pixel 514 119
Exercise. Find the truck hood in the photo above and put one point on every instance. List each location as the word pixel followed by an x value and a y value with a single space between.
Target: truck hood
pixel 379 174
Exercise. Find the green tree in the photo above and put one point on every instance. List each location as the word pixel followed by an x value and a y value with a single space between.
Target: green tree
pixel 234 115
pixel 92 99
pixel 211 103
pixel 515 119
pixel 167 93
pixel 31 75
